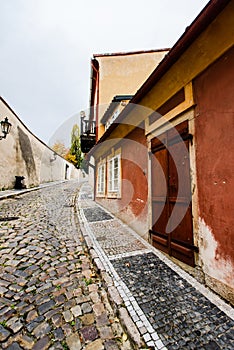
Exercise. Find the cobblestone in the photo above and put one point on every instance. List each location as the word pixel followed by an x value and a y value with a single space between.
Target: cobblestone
pixel 163 295
pixel 73 341
pixel 4 333
pixel 96 214
pixel 48 284
pixel 89 333
pixel 115 244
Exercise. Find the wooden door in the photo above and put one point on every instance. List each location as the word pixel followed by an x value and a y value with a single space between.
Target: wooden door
pixel 172 230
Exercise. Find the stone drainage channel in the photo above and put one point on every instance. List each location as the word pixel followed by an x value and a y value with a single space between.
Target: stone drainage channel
pixel 169 309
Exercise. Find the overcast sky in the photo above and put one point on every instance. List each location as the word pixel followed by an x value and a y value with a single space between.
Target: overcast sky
pixel 46 47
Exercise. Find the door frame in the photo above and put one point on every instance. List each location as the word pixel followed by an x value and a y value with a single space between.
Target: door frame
pixel 163 127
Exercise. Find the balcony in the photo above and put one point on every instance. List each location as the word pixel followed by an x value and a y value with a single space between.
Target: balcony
pixel 88 134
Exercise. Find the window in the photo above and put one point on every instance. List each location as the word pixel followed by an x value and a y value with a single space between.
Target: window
pixel 101 180
pixel 114 175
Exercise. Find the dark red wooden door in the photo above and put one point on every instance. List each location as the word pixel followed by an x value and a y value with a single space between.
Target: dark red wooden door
pixel 172 230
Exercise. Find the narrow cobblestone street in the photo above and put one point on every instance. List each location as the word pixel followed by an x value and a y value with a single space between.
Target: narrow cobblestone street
pixel 75 277
pixel 50 294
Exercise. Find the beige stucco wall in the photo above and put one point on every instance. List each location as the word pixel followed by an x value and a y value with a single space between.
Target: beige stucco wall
pixel 23 154
pixel 123 74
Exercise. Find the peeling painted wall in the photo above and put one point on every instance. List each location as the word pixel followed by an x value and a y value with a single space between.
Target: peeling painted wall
pixel 213 264
pixel 214 130
pixel 23 154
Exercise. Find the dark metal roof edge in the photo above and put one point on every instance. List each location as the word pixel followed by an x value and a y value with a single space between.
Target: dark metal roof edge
pixel 122 98
pixel 129 53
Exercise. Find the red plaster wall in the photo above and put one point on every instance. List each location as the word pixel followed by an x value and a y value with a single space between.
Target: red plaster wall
pixel 134 170
pixel 214 136
pixel 132 207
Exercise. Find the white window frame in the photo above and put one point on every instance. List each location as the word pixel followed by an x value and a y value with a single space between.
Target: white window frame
pixel 114 176
pixel 101 179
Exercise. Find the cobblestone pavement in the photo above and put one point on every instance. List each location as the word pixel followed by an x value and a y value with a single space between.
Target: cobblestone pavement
pixel 51 296
pixel 170 308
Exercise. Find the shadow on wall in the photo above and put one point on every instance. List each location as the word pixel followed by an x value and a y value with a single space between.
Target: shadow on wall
pixel 27 154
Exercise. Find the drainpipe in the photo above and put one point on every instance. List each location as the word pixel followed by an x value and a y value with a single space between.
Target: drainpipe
pixel 95 77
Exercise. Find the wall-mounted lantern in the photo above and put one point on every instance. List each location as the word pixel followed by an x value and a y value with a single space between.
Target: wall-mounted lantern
pixel 54 157
pixel 5 127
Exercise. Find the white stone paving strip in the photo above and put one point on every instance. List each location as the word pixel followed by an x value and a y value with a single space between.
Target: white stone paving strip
pixel 129 254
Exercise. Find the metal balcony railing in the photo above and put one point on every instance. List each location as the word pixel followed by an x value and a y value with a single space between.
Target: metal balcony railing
pixel 88 134
pixel 87 127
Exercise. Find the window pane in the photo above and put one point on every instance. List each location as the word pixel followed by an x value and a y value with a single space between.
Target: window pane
pixel 116 173
pixel 116 162
pixel 116 183
pixel 113 174
pixel 101 178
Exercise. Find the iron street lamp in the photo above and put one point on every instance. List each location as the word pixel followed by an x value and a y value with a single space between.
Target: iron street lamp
pixel 6 127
